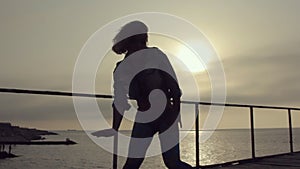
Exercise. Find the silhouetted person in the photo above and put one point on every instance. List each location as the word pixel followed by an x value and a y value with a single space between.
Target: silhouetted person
pixel 157 74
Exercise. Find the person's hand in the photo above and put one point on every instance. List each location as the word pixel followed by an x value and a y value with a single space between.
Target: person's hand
pixel 105 133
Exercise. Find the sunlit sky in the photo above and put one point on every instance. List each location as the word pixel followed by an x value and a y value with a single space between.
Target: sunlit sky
pixel 257 41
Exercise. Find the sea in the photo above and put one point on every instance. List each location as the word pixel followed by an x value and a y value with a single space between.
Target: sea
pixel 222 146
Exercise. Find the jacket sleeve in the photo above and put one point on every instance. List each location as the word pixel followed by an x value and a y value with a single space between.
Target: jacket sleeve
pixel 120 92
pixel 170 79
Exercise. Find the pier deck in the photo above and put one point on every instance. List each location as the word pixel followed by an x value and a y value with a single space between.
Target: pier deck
pixel 286 161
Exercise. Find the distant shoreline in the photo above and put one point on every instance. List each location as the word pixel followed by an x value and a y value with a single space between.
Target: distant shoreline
pixel 9 133
pixel 225 129
pixel 4 155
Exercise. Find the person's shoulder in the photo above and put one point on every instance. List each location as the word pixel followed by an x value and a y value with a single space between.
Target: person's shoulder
pixel 157 51
pixel 117 64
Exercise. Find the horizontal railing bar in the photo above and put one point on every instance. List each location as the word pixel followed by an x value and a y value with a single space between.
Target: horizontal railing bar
pixel 60 93
pixel 240 105
pixel 54 93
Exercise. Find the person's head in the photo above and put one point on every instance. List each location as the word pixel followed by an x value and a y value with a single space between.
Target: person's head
pixel 132 36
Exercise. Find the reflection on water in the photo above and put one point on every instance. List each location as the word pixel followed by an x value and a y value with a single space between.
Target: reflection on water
pixel 224 145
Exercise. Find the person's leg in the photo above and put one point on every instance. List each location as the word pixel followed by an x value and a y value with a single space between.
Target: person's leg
pixel 172 159
pixel 141 138
pixel 169 140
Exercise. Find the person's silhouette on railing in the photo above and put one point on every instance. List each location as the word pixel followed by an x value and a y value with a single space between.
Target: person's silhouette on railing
pixel 155 72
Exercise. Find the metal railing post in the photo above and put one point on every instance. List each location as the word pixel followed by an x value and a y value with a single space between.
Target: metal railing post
pixel 252 132
pixel 197 136
pixel 290 130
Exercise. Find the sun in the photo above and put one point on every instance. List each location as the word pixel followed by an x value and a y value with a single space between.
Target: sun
pixel 190 59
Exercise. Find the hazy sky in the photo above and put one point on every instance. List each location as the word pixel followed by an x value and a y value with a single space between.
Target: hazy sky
pixel 257 41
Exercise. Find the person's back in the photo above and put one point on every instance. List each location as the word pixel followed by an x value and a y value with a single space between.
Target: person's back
pixel 142 71
pixel 150 79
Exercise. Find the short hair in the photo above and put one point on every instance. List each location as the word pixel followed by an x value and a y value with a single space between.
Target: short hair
pixel 132 33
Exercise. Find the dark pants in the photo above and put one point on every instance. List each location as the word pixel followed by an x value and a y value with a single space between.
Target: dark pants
pixel 138 148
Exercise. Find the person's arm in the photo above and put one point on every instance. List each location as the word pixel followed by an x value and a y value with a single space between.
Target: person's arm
pixel 120 105
pixel 117 118
pixel 174 90
pixel 175 95
pixel 171 79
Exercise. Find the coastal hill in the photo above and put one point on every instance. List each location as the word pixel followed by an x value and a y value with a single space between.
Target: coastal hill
pixel 9 133
pixel 15 135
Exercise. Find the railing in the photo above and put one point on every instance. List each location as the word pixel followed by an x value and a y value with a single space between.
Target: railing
pixel 196 104
pixel 252 128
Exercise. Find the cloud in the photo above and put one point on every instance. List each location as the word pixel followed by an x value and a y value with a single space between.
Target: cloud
pixel 264 78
